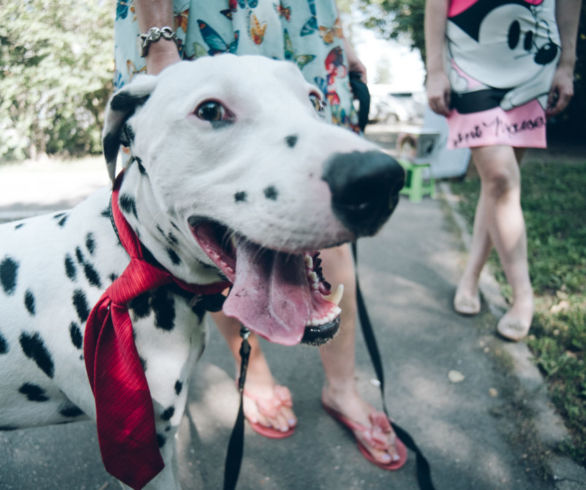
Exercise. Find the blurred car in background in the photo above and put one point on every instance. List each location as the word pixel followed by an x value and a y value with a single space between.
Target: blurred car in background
pixel 390 106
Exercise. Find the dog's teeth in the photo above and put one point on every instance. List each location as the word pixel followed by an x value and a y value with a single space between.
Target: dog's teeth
pixel 322 320
pixel 336 296
pixel 308 262
pixel 313 278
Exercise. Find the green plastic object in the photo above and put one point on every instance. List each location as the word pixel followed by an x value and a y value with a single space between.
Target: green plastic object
pixel 418 180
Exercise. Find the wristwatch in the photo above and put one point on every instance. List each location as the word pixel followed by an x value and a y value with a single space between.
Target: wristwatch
pixel 151 36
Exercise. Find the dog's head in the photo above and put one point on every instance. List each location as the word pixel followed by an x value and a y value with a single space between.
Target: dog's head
pixel 235 172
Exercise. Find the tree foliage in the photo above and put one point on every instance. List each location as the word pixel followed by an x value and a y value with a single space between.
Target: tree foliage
pixel 56 64
pixel 400 19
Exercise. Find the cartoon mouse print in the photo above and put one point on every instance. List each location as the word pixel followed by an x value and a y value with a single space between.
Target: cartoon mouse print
pixel 518 43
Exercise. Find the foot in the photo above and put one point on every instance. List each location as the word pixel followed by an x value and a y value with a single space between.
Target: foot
pixel 515 323
pixel 269 410
pixel 467 299
pixel 370 428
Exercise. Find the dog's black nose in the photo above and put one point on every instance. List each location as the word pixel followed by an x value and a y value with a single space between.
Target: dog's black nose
pixel 365 189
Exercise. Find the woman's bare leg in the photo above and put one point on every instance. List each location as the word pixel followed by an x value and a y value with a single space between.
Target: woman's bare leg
pixel 338 356
pixel 259 380
pixel 502 218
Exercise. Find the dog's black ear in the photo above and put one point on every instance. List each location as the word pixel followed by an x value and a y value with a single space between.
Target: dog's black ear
pixel 120 107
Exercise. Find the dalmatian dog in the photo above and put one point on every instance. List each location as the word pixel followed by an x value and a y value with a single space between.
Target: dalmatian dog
pixel 234 174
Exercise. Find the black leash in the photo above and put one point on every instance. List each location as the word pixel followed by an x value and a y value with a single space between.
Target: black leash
pixel 361 93
pixel 236 444
pixel 423 468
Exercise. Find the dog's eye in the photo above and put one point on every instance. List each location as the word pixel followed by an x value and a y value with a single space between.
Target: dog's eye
pixel 214 112
pixel 318 104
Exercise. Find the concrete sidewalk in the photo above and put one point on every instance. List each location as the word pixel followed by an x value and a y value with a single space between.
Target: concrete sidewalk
pixel 450 382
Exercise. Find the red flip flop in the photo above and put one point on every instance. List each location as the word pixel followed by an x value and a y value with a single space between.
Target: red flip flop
pixel 376 419
pixel 268 408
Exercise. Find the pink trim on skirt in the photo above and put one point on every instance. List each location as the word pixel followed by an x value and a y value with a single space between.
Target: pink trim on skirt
pixel 521 127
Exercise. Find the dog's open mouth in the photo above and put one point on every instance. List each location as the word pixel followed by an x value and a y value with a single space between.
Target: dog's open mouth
pixel 281 296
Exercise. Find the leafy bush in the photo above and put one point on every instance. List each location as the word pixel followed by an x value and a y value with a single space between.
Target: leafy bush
pixel 56 65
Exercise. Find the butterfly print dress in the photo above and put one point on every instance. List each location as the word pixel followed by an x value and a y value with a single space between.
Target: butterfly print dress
pixel 305 32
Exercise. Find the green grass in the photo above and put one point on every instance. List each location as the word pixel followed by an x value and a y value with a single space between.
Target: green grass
pixel 554 204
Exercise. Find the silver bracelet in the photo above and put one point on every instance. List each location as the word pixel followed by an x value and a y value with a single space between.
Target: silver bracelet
pixel 152 36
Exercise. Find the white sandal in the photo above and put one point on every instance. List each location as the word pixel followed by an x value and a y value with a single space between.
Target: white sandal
pixel 512 328
pixel 466 305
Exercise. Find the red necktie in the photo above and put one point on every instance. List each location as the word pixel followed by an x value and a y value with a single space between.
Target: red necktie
pixel 124 407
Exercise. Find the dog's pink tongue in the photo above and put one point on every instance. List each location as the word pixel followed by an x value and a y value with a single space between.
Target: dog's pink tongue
pixel 270 294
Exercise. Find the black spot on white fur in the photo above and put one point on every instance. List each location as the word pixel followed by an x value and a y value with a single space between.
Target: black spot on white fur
pixel 173 256
pixel 271 193
pixel 70 269
pixel 71 411
pixel 34 393
pixel 141 168
pixel 127 135
pixel 178 387
pixel 128 204
pixel 29 302
pixel 92 275
pixel 8 274
pixel 291 140
pixel 80 304
pixel 164 308
pixel 79 255
pixel 127 102
pixel 88 269
pixel 90 243
pixel 168 413
pixel 111 143
pixel 75 334
pixel 18 226
pixel 3 345
pixel 240 196
pixel 34 348
pixel 61 218
pixel 209 302
pixel 140 305
pixel 161 440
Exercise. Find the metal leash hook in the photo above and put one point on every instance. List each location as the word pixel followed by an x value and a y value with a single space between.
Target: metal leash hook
pixel 236 444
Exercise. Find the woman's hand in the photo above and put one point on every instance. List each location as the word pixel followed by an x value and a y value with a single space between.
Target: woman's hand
pixel 438 92
pixel 561 92
pixel 354 63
